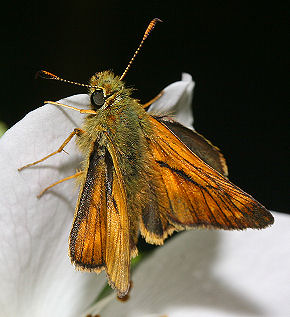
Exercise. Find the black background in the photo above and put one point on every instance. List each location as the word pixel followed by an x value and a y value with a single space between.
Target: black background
pixel 235 51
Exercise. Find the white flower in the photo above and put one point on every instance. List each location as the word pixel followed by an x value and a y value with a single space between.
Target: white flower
pixel 176 101
pixel 197 272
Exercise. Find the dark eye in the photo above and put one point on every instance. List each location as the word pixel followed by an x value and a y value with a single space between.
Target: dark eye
pixel 97 98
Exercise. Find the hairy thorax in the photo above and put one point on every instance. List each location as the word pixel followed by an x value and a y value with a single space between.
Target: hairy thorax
pixel 123 124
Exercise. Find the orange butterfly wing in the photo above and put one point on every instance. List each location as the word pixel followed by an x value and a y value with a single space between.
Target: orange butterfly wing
pixel 198 144
pixel 197 195
pixel 99 237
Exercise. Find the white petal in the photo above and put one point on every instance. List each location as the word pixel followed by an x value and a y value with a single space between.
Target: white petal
pixel 176 101
pixel 37 278
pixel 214 273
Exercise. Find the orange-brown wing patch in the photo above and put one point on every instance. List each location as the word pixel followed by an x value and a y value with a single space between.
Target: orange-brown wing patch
pixel 99 237
pixel 88 233
pixel 197 194
pixel 154 224
pixel 198 144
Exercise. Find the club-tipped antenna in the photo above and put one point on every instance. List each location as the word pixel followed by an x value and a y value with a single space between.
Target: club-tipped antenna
pixel 47 75
pixel 147 32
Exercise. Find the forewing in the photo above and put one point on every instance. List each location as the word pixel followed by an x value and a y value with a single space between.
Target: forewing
pixel 99 236
pixel 198 144
pixel 88 233
pixel 197 194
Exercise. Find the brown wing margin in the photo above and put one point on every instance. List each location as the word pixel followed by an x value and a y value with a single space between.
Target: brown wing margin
pixel 198 144
pixel 99 237
pixel 197 194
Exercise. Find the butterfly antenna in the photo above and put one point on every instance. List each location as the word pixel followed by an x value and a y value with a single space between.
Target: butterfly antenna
pixel 147 32
pixel 47 75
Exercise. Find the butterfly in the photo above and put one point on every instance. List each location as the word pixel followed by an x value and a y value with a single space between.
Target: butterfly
pixel 144 174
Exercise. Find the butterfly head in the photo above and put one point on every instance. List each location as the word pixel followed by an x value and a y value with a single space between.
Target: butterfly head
pixel 104 88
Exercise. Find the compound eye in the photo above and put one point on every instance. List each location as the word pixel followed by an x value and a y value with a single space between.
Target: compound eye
pixel 97 98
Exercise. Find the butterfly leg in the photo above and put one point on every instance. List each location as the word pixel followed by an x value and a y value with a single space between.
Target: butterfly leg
pixel 58 182
pixel 76 131
pixel 149 103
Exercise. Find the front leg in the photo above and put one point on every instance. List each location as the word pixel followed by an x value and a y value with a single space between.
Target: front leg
pixel 76 131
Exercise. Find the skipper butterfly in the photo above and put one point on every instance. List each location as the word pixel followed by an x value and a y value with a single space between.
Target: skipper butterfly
pixel 143 174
